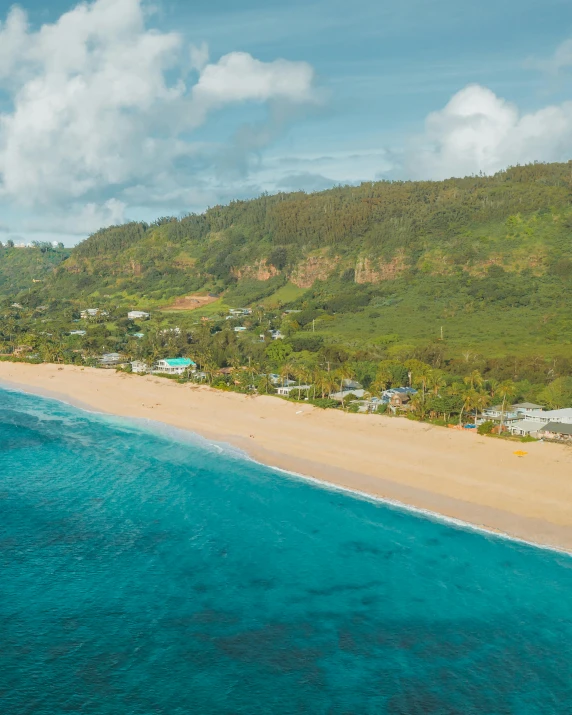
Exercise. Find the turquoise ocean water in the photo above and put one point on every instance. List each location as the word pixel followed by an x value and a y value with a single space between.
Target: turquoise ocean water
pixel 146 572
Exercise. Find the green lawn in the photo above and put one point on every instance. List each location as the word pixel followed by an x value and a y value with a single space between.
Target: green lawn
pixel 286 294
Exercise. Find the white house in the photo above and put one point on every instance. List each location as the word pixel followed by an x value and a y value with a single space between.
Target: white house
pixel 524 428
pixel 138 315
pixel 139 367
pixel 173 366
pixel 240 329
pixel 527 408
pixel 286 390
pixel 496 413
pixel 563 416
pixel 348 387
pixel 341 396
pixel 93 313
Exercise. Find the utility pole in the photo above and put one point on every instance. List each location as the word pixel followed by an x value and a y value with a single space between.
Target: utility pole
pixel 441 332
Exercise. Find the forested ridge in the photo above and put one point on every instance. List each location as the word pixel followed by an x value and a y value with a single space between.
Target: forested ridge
pixel 475 255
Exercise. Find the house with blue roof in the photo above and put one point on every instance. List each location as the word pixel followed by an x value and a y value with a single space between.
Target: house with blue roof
pixel 173 366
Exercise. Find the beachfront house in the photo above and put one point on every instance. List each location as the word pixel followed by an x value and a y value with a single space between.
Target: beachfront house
pixel 173 366
pixel 520 411
pixel 110 360
pixel 368 404
pixel 495 413
pixel 556 430
pixel 524 428
pixel 563 416
pixel 527 408
pixel 341 396
pixel 282 381
pixel 397 395
pixel 286 391
pixel 139 367
pixel 399 401
pixel 138 315
pixel 349 387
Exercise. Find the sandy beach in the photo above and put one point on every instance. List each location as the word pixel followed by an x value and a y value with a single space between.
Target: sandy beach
pixel 459 475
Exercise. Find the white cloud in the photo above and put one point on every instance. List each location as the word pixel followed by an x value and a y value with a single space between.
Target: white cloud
pixel 100 104
pixel 238 77
pixel 78 219
pixel 561 58
pixel 479 131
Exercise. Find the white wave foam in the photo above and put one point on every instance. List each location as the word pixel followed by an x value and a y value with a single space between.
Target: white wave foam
pixel 193 438
pixel 426 513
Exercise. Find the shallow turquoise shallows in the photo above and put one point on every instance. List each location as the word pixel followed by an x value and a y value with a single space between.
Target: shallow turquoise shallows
pixel 146 572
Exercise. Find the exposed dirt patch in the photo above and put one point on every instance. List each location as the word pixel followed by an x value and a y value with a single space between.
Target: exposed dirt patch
pixel 260 271
pixel 313 268
pixel 191 302
pixel 374 272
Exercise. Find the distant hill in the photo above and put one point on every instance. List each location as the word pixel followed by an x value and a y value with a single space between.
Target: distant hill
pixel 25 268
pixel 488 260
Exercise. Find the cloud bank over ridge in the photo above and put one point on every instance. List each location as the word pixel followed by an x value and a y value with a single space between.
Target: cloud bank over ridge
pixel 101 107
pixel 477 131
pixel 105 117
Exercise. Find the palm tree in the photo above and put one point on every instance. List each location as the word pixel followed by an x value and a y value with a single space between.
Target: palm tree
pixel 470 400
pixel 506 390
pixel 493 386
pixel 286 370
pixel 482 400
pixel 254 368
pixel 383 378
pixel 420 373
pixel 474 380
pixel 210 367
pixel 344 372
pixel 327 383
pixel 418 404
pixel 303 375
pixel 436 381
pixel 265 384
pixel 235 361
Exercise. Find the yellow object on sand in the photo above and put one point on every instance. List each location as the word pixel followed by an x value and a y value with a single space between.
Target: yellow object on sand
pixel 520 453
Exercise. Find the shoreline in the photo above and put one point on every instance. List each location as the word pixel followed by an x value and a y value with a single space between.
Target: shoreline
pixel 450 476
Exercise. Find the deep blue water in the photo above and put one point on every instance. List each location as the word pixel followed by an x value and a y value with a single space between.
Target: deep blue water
pixel 146 573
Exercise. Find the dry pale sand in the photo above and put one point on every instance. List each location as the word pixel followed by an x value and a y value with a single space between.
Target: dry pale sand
pixel 460 475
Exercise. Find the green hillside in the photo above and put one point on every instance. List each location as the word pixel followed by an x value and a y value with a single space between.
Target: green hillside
pixel 21 267
pixel 485 262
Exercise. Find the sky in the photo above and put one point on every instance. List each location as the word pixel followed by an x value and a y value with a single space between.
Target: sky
pixel 117 110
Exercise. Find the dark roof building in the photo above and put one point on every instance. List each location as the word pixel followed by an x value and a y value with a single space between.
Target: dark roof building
pixel 559 430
